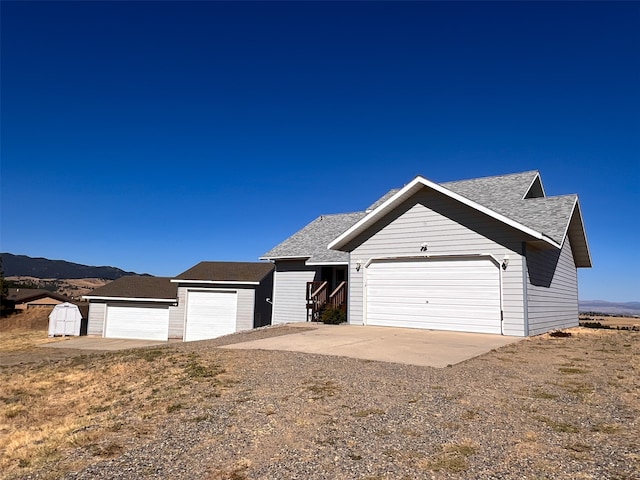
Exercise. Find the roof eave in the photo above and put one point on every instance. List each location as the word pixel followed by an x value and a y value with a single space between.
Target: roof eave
pixel 130 299
pixel 285 257
pixel 216 282
pixel 412 187
pixel 576 209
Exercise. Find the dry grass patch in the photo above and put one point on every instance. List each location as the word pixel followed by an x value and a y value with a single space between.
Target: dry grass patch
pixel 25 330
pixel 83 402
pixel 452 458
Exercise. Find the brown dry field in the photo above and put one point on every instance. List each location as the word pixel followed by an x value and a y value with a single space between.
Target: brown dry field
pixel 71 287
pixel 62 414
pixel 612 321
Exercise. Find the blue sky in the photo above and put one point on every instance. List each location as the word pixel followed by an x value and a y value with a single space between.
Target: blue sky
pixel 153 135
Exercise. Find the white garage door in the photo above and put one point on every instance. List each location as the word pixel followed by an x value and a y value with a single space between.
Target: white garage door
pixel 210 314
pixel 147 323
pixel 460 295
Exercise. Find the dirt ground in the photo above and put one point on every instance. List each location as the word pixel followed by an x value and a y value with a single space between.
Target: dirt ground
pixel 546 407
pixel 613 322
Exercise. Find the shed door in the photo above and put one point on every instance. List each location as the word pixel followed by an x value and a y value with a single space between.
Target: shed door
pixel 460 295
pixel 140 322
pixel 210 314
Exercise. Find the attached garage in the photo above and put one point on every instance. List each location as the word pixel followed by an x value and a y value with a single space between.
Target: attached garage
pixel 148 322
pixel 459 294
pixel 210 314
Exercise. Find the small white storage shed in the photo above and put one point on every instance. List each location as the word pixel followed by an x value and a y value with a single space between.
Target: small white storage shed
pixel 65 319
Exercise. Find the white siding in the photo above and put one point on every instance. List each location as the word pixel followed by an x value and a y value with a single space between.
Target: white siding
pixel 246 304
pixel 289 291
pixel 96 318
pixel 552 291
pixel 448 228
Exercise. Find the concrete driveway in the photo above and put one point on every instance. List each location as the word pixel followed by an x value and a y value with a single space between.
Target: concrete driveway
pixel 429 348
pixel 99 343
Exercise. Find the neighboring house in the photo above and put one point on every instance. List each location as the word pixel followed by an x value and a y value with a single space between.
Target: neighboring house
pixel 209 300
pixel 24 298
pixel 491 255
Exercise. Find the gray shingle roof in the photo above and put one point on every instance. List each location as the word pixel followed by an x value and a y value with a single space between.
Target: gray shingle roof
pixel 496 190
pixel 138 287
pixel 311 242
pixel 503 194
pixel 227 271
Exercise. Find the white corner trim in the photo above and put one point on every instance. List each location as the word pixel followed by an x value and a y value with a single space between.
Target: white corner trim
pixel 214 282
pixel 131 299
pixel 576 206
pixel 409 190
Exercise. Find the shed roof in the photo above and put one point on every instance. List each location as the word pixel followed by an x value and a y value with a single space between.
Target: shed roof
pixel 221 272
pixel 137 287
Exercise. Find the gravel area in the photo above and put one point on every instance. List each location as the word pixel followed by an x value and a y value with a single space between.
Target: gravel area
pixel 544 408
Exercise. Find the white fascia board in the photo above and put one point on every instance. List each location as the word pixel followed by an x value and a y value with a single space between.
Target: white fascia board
pixel 411 188
pixel 292 257
pixel 320 264
pixel 576 206
pixel 131 299
pixel 214 282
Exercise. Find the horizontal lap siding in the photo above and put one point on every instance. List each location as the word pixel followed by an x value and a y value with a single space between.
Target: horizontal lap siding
pixel 245 310
pixel 95 324
pixel 448 228
pixel 176 316
pixel 289 291
pixel 552 305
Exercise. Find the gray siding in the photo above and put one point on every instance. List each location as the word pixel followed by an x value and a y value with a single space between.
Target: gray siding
pixel 245 309
pixel 95 325
pixel 448 228
pixel 176 315
pixel 552 289
pixel 289 291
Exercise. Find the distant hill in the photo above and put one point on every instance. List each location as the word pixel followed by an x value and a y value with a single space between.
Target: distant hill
pixel 614 308
pixel 24 266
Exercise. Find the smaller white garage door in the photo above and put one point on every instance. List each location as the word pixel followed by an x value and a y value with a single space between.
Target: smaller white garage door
pixel 146 323
pixel 461 295
pixel 210 314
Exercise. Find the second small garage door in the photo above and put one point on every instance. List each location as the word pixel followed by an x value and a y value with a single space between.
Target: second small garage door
pixel 210 314
pixel 460 295
pixel 136 322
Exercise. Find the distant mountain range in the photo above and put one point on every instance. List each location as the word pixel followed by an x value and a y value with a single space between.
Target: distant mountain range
pixel 24 266
pixel 614 308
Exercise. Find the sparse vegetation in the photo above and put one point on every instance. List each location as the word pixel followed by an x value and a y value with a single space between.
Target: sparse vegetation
pixel 333 316
pixel 64 415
